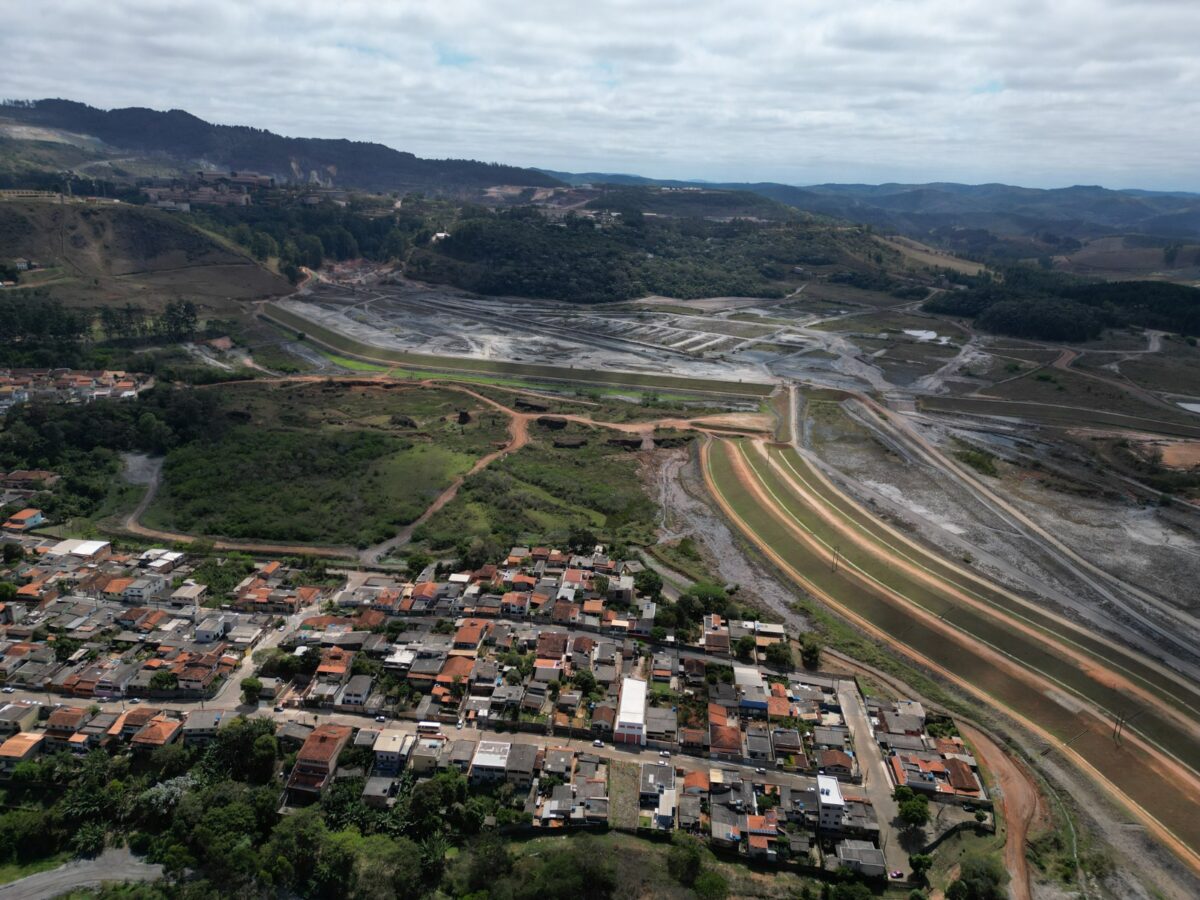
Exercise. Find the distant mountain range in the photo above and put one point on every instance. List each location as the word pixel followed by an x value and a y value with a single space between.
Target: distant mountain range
pixel 338 163
pixel 923 209
pixel 969 217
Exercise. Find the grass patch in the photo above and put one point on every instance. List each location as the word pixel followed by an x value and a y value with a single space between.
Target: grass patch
pixel 980 460
pixel 15 871
pixel 326 463
pixel 541 492
pixel 354 365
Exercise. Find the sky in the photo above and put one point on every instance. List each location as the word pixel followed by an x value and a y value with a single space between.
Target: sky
pixel 1033 93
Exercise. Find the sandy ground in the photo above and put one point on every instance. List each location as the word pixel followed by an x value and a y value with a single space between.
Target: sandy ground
pixel 1181 454
pixel 687 512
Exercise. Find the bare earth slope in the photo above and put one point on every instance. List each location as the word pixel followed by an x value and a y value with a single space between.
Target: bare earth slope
pixel 116 251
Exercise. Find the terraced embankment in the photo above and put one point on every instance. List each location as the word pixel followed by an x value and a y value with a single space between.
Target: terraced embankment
pixel 340 343
pixel 1055 689
pixel 856 524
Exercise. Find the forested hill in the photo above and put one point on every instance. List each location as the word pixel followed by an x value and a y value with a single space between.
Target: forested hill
pixel 921 209
pixel 339 163
pixel 1046 306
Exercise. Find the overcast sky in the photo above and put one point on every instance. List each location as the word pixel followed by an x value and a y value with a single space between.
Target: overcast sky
pixel 1022 91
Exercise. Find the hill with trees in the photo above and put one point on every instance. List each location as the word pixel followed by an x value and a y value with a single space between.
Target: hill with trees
pixel 341 163
pixel 520 252
pixel 1046 306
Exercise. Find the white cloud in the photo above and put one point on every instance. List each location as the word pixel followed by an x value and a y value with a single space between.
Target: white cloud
pixel 1082 91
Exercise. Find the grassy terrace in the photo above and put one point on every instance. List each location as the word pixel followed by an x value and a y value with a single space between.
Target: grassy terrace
pixel 1147 675
pixel 858 587
pixel 344 345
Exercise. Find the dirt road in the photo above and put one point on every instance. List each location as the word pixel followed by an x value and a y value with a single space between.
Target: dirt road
pixel 1025 809
pixel 147 470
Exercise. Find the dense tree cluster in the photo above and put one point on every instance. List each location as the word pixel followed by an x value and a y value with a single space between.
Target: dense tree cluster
pixel 1029 303
pixel 38 331
pixel 521 252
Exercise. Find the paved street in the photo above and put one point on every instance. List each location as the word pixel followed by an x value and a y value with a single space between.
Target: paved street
pixel 876 785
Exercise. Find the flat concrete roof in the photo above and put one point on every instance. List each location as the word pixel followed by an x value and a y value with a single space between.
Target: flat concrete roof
pixel 633 702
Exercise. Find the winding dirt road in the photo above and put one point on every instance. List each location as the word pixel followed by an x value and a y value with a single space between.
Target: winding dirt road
pixel 518 430
pixel 1024 806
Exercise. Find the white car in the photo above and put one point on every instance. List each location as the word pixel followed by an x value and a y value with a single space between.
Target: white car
pixel 381 718
pixel 10 690
pixel 665 754
pixel 597 743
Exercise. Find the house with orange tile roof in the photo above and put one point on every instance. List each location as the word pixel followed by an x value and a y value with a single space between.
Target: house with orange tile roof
pixel 62 724
pixel 24 520
pixel 158 732
pixel 724 742
pixel 470 634
pixel 335 665
pixel 514 603
pixel 456 670
pixel 316 762
pixel 21 747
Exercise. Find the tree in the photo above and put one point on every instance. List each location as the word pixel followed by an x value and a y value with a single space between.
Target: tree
pixel 745 646
pixel 585 681
pixel 88 840
pixel 810 651
pixel 780 655
pixel 261 765
pixel 920 863
pixel 914 813
pixel 388 867
pixel 490 860
pixel 251 689
pixel 684 860
pixel 416 563
pixel 711 885
pixel 8 591
pixel 164 681
pixel 979 878
pixel 648 583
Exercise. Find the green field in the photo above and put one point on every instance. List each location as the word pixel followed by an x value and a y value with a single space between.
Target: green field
pixel 343 344
pixel 1123 765
pixel 540 492
pixel 322 463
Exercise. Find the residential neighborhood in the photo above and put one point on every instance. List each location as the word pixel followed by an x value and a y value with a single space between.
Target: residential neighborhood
pixel 543 672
